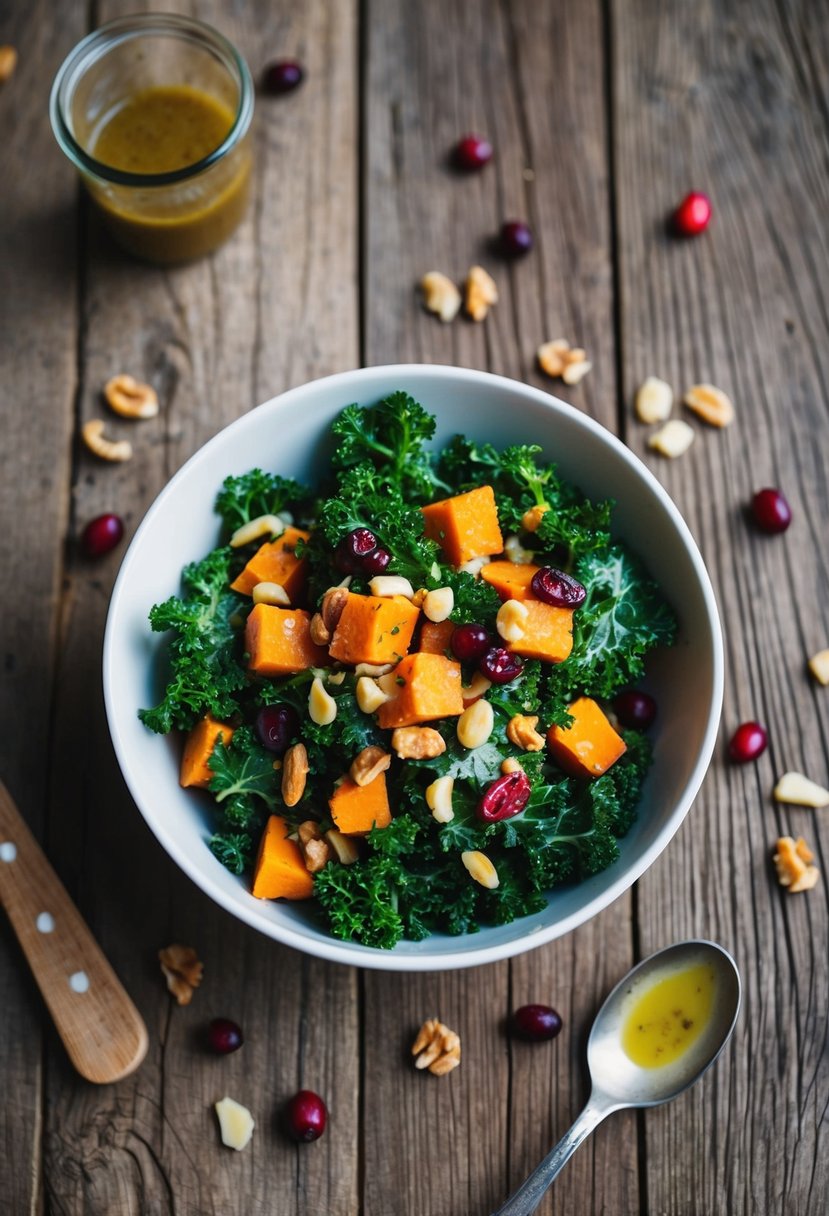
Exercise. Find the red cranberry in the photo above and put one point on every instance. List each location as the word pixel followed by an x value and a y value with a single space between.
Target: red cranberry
pixel 505 797
pixel 224 1036
pixel 748 742
pixel 693 215
pixel 470 642
pixel 101 534
pixel 555 587
pixel 276 726
pixel 771 511
pixel 283 76
pixel 376 562
pixel 516 238
pixel 353 549
pixel 500 666
pixel 635 709
pixel 536 1023
pixel 307 1116
pixel 472 152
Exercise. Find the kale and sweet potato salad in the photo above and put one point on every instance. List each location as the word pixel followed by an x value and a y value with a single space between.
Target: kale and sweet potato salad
pixel 397 686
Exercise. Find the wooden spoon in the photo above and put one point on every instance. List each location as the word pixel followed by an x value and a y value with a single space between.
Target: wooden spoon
pixel 98 1023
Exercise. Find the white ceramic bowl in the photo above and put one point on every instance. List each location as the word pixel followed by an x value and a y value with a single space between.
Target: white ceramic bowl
pixel 289 435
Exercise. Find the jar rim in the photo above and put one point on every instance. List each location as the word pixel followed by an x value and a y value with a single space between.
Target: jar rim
pixel 114 33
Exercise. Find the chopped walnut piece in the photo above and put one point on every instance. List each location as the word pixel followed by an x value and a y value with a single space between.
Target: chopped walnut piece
pixel 558 358
pixel 521 730
pixel 481 293
pixel 370 763
pixel 182 970
pixel 440 295
pixel 418 742
pixel 316 852
pixel 793 860
pixel 436 1047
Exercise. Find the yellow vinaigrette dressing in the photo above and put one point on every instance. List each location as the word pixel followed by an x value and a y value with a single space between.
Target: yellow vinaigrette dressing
pixel 669 1017
pixel 161 129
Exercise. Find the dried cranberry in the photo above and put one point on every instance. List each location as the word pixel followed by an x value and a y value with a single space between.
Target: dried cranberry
pixel 505 797
pixel 353 549
pixel 516 238
pixel 771 511
pixel 536 1023
pixel 635 709
pixel 283 76
pixel 307 1116
pixel 555 587
pixel 472 152
pixel 101 535
pixel 376 562
pixel 748 742
pixel 276 726
pixel 470 642
pixel 500 666
pixel 693 215
pixel 224 1036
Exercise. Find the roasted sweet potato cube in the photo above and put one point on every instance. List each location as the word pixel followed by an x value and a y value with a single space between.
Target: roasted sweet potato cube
pixel 278 641
pixel 198 748
pixel 548 633
pixel 590 745
pixel 435 636
pixel 510 579
pixel 465 526
pixel 280 871
pixel 423 687
pixel 374 629
pixel 356 809
pixel 276 562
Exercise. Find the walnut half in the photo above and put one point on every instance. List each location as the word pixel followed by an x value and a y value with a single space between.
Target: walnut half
pixel 436 1047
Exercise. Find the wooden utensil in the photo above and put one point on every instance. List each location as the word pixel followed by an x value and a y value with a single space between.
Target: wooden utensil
pixel 100 1027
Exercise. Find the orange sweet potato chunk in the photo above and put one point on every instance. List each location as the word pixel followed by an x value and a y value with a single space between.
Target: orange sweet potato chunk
pixel 424 687
pixel 590 745
pixel 510 579
pixel 357 809
pixel 465 526
pixel 276 562
pixel 548 633
pixel 374 629
pixel 435 636
pixel 280 872
pixel 278 641
pixel 198 748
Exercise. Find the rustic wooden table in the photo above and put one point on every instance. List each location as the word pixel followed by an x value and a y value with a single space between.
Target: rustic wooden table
pixel 603 114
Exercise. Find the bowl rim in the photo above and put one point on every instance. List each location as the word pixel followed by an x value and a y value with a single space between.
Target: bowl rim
pixel 351 953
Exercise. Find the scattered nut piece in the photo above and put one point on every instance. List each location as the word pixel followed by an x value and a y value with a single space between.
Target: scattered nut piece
pixel 322 708
pixel 254 529
pixel 331 608
pixel 440 295
pixel 235 1124
pixel 294 773
pixel 475 565
pixel 320 635
pixel 710 404
pixel 559 359
pixel 575 371
pixel 8 62
pixel 436 1047
pixel 113 450
pixel 521 732
pixel 439 799
pixel 419 596
pixel 481 293
pixel 793 863
pixel 345 847
pixel 130 398
pixel 478 686
pixel 316 852
pixel 819 666
pixel 475 724
pixel 370 695
pixel 271 593
pixel 335 677
pixel 510 765
pixel 481 869
pixel 511 620
pixel 654 400
pixel 182 970
pixel 417 742
pixel 386 585
pixel 516 552
pixel 531 520
pixel 438 604
pixel 674 438
pixel 370 763
pixel 795 788
pixel 373 670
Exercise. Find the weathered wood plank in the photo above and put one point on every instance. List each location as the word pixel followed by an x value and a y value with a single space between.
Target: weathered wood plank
pixel 215 338
pixel 531 78
pixel 725 99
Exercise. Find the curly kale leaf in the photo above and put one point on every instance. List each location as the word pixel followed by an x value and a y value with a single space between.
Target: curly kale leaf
pixel 244 781
pixel 205 658
pixel 257 493
pixel 233 849
pixel 389 436
pixel 360 901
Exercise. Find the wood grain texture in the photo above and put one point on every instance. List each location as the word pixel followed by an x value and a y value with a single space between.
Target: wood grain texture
pixel 727 98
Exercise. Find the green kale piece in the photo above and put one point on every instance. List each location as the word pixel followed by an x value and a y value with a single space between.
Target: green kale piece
pixel 475 600
pixel 389 436
pixel 233 849
pixel 360 900
pixel 257 493
pixel 205 654
pixel 244 781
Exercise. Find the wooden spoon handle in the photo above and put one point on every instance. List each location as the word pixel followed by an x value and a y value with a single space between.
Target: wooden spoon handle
pixel 98 1023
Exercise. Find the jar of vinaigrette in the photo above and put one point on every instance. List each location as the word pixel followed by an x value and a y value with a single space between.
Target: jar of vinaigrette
pixel 154 110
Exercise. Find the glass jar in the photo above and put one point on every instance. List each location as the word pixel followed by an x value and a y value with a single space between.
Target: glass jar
pixel 187 211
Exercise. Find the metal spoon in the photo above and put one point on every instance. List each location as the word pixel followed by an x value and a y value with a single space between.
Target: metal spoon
pixel 618 1082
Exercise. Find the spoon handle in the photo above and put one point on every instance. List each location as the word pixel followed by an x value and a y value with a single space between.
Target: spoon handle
pixel 528 1196
pixel 100 1027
